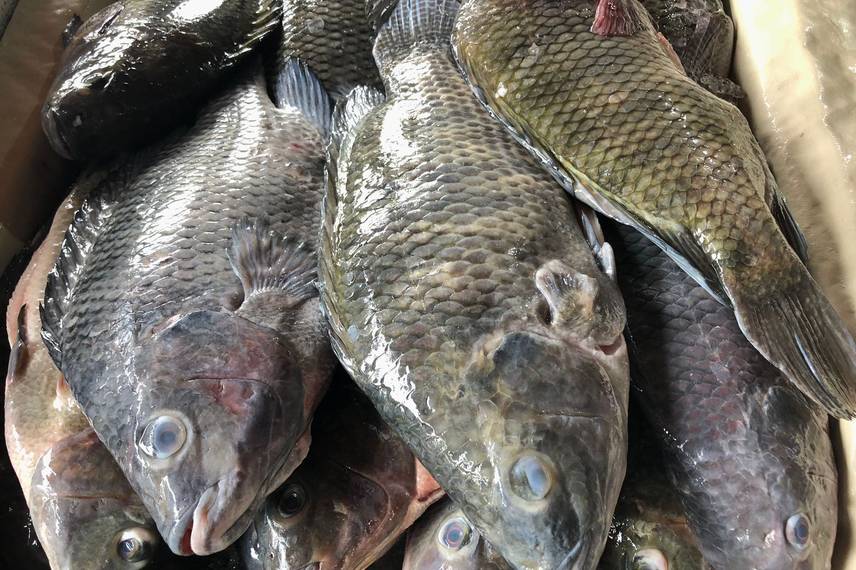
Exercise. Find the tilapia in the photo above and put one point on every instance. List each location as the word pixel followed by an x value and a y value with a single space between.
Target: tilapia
pixel 750 456
pixel 650 530
pixel 444 539
pixel 635 138
pixel 465 302
pixel 358 490
pixel 334 38
pixel 84 512
pixel 183 313
pixel 138 68
pixel 702 35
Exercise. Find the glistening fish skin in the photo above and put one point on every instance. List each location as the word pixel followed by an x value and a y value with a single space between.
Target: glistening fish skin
pixel 639 141
pixel 84 512
pixel 183 314
pixel 334 38
pixel 137 68
pixel 465 302
pixel 444 539
pixel 358 490
pixel 750 457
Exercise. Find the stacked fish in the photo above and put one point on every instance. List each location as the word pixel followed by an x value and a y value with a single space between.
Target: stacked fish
pixel 331 262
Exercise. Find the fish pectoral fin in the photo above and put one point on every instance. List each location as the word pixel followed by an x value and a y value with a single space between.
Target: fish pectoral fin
pixel 71 29
pixel 618 18
pixel 266 261
pixel 593 233
pixel 298 88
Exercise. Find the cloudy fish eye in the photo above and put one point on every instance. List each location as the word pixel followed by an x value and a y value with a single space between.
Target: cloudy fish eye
pixel 650 559
pixel 455 534
pixel 798 531
pixel 135 546
pixel 530 477
pixel 163 437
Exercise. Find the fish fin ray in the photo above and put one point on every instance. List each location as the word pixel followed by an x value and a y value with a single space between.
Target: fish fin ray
pixel 268 18
pixel 782 214
pixel 592 231
pixel 296 86
pixel 412 23
pixel 618 18
pixel 266 261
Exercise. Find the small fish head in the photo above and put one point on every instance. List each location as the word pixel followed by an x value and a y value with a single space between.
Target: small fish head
pixel 86 515
pixel 651 540
pixel 559 421
pixel 220 412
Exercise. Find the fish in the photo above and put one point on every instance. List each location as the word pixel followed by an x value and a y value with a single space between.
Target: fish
pixel 138 68
pixel 749 455
pixel 445 539
pixel 334 38
pixel 594 92
pixel 464 300
pixel 183 312
pixel 85 514
pixel 702 36
pixel 357 491
pixel 650 530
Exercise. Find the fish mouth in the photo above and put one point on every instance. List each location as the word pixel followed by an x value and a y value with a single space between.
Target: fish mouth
pixel 50 124
pixel 203 528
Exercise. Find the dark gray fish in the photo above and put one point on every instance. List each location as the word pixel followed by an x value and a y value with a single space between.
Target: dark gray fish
pixel 334 38
pixel 358 490
pixel 444 539
pixel 183 313
pixel 750 457
pixel 466 303
pixel 138 68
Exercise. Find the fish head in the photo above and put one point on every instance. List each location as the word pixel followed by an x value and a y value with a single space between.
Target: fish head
pixel 220 413
pixel 445 538
pixel 85 513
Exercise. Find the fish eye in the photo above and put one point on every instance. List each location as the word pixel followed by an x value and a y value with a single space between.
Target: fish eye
pixel 136 546
pixel 163 437
pixel 798 531
pixel 455 534
pixel 650 559
pixel 530 477
pixel 292 500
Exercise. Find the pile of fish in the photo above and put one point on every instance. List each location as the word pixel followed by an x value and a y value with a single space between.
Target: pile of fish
pixel 509 284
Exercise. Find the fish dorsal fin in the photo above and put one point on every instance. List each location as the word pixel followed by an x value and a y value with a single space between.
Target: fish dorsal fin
pixel 266 261
pixel 618 18
pixel 297 87
pixel 413 23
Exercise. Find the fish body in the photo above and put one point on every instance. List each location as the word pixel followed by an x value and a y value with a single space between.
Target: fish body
pixel 334 38
pixel 138 68
pixel 750 457
pixel 445 539
pixel 465 302
pixel 598 96
pixel 182 310
pixel 84 512
pixel 358 490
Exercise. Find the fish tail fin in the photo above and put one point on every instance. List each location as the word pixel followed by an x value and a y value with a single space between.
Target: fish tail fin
pixel 266 261
pixel 296 87
pixel 619 18
pixel 794 326
pixel 414 23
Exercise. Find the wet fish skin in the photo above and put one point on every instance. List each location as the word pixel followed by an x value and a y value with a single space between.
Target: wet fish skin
pixel 138 68
pixel 334 38
pixel 467 273
pixel 633 137
pixel 358 490
pixel 81 506
pixel 182 310
pixel 434 543
pixel 745 450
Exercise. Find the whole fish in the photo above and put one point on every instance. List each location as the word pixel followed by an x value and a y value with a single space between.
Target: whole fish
pixel 357 491
pixel 702 35
pixel 334 38
pixel 84 512
pixel 183 314
pixel 596 94
pixel 444 539
pixel 465 302
pixel 138 68
pixel 749 455
pixel 650 530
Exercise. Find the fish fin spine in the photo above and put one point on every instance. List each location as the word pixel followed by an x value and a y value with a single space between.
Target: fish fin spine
pixel 413 23
pixel 618 18
pixel 296 86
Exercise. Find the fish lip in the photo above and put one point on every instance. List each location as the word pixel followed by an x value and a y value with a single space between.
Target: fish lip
pixel 176 535
pixel 50 124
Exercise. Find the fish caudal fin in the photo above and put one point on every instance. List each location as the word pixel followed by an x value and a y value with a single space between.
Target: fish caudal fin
pixel 265 261
pixel 298 88
pixel 798 331
pixel 618 18
pixel 414 23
